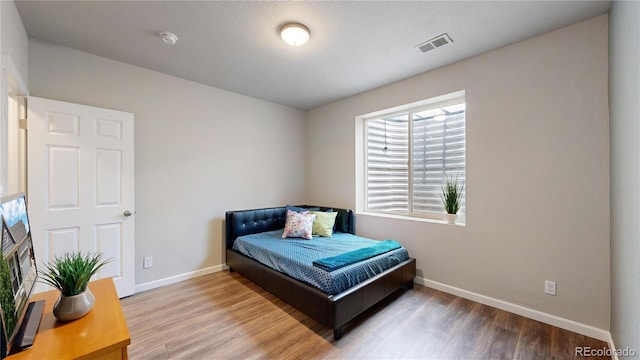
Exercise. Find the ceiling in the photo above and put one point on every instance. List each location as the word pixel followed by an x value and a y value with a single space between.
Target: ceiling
pixel 354 46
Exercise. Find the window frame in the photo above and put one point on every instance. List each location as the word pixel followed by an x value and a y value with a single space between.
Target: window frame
pixel 454 98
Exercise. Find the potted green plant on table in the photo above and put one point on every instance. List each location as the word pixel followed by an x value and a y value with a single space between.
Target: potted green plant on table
pixel 70 274
pixel 452 190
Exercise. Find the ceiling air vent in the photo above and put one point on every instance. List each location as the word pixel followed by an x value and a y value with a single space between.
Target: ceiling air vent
pixel 436 42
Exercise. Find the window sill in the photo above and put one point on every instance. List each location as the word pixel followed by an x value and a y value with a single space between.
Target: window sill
pixel 461 223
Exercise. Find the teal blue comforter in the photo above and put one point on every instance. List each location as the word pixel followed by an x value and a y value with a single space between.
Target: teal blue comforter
pixel 352 257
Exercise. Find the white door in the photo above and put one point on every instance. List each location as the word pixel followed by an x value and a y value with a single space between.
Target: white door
pixel 80 185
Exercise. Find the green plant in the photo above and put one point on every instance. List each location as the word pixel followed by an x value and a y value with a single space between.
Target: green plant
pixel 71 272
pixel 452 191
pixel 7 300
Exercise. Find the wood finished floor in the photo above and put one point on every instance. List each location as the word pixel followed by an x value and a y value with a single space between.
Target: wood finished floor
pixel 225 316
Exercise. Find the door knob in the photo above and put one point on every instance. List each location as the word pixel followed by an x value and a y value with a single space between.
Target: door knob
pixel 127 213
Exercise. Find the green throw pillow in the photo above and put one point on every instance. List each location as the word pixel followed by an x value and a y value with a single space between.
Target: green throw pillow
pixel 323 225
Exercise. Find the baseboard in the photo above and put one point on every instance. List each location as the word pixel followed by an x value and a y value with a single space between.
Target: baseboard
pixel 614 355
pixel 554 320
pixel 177 278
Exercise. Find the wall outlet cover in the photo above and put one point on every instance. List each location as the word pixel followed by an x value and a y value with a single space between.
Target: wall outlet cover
pixel 147 262
pixel 550 287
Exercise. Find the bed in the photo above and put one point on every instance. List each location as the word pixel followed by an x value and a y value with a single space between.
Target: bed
pixel 332 308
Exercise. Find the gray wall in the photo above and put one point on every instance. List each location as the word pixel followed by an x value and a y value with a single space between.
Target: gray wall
pixel 624 102
pixel 537 173
pixel 199 151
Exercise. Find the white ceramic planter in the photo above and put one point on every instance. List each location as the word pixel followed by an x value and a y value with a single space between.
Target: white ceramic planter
pixel 451 218
pixel 69 308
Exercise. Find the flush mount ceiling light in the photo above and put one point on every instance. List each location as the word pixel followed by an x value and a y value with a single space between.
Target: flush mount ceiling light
pixel 294 34
pixel 168 38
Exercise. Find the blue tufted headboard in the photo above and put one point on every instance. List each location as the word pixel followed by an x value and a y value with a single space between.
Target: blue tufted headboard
pixel 245 222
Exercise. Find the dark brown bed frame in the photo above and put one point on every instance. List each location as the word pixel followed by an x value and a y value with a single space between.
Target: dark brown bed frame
pixel 330 310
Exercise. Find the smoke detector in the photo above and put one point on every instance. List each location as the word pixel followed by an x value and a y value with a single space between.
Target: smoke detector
pixel 436 42
pixel 168 38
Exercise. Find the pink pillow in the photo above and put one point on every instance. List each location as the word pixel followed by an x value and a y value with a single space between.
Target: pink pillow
pixel 299 224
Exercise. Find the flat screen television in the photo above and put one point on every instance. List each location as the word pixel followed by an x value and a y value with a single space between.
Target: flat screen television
pixel 18 274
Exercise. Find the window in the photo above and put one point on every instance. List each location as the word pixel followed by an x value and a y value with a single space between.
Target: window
pixel 409 152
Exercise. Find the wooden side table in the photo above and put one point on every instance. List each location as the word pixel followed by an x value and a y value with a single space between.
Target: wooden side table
pixel 101 334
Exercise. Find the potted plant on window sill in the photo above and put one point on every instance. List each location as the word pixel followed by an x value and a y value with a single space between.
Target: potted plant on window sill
pixel 70 274
pixel 452 191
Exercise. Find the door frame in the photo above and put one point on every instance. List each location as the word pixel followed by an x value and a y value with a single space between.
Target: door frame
pixel 10 139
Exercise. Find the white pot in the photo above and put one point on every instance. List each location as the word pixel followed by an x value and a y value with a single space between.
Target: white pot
pixel 69 308
pixel 451 218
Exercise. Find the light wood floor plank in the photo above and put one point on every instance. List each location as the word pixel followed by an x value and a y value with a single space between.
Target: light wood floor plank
pixel 225 316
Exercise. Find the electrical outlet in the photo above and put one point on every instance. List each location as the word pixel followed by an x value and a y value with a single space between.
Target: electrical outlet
pixel 148 262
pixel 550 287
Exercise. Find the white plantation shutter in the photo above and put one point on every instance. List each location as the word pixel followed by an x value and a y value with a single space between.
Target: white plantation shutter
pixel 438 151
pixel 387 164
pixel 437 135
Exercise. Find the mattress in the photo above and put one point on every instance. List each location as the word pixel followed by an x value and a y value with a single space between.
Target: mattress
pixel 294 257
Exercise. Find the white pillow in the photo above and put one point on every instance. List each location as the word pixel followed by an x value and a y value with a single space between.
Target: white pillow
pixel 299 224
